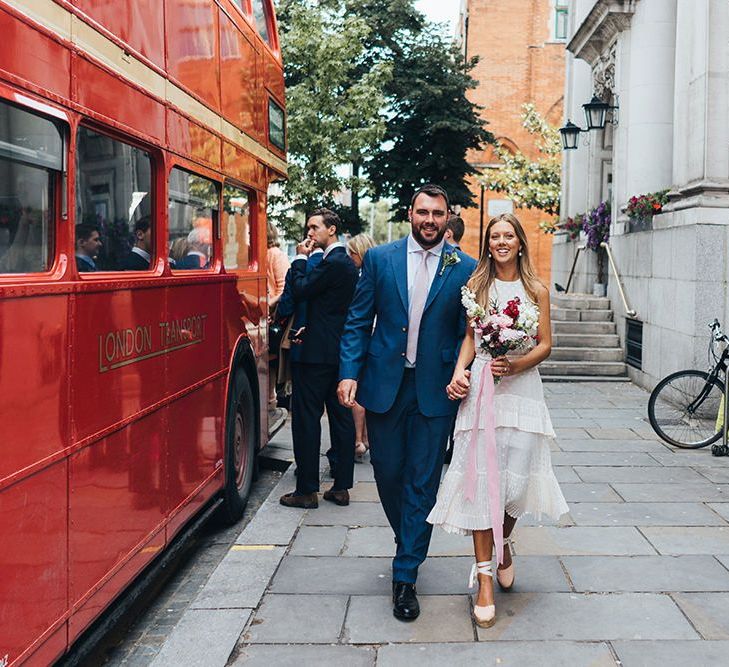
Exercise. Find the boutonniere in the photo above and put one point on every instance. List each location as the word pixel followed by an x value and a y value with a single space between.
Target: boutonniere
pixel 449 259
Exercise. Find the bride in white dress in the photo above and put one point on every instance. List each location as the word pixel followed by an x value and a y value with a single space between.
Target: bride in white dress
pixel 524 482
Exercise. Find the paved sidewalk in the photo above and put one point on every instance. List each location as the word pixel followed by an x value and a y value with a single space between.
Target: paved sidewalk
pixel 636 574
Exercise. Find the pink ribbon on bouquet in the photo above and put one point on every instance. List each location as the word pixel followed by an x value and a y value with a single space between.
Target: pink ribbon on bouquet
pixel 493 482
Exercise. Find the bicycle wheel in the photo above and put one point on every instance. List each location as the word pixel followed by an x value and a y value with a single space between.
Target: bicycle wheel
pixel 683 409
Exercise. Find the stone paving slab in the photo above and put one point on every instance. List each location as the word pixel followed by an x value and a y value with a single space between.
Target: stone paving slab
pixel 279 620
pixel 722 509
pixel 570 434
pixel 646 574
pixel 319 541
pixel 496 653
pixel 678 541
pixel 643 514
pixel 203 637
pixel 443 618
pixel 603 459
pixel 354 514
pixel 586 444
pixel 709 612
pixel 587 617
pixel 565 474
pixel 372 576
pixel 378 541
pixel 639 475
pixel 364 492
pixel 696 458
pixel 699 492
pixel 273 523
pixel 297 655
pixel 608 433
pixel 663 653
pixel 240 579
pixel 582 541
pixel 717 475
pixel 599 493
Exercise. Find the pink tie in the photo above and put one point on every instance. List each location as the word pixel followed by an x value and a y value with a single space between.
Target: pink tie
pixel 421 284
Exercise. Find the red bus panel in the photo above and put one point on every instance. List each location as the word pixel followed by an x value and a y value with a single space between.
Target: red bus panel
pixel 192 47
pixel 139 23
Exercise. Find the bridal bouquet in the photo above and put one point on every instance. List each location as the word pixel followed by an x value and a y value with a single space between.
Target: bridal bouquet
pixel 502 329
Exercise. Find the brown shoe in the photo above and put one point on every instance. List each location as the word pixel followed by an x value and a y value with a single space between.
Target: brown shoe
pixel 338 497
pixel 305 502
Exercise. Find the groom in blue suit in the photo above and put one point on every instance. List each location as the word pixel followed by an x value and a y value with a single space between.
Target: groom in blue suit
pixel 410 291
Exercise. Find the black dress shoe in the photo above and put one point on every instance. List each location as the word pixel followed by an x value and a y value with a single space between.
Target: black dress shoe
pixel 307 502
pixel 404 601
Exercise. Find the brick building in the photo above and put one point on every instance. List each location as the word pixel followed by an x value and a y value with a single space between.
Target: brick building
pixel 521 48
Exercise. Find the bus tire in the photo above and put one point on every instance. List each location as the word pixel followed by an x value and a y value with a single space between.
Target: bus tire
pixel 240 448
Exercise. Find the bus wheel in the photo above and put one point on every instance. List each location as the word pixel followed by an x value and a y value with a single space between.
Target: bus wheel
pixel 240 448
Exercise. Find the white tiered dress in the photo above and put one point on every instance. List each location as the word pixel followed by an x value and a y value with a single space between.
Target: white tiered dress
pixel 523 436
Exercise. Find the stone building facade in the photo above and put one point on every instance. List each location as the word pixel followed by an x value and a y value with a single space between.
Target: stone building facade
pixel 665 65
pixel 521 51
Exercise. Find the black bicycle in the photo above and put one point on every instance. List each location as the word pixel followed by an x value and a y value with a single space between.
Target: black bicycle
pixel 684 408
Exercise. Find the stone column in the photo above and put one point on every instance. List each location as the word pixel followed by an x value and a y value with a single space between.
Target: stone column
pixel 701 139
pixel 647 111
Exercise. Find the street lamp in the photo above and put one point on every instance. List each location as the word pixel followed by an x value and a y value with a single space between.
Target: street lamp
pixel 596 113
pixel 570 133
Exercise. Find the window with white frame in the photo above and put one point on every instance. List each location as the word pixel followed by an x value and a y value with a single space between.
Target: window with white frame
pixel 561 20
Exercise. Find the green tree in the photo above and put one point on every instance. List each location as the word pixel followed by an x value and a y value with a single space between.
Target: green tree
pixel 530 183
pixel 431 123
pixel 334 108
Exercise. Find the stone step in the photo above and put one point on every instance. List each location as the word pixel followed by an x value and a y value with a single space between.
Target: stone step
pixel 584 327
pixel 587 354
pixel 581 301
pixel 574 315
pixel 585 340
pixel 585 368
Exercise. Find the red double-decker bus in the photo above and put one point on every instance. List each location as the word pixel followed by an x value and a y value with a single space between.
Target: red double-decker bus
pixel 137 142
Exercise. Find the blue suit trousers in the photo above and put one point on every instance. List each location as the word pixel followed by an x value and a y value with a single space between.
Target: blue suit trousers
pixel 407 450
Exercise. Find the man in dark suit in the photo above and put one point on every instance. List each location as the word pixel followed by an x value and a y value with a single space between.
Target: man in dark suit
pixel 399 373
pixel 455 229
pixel 328 291
pixel 88 244
pixel 199 243
pixel 140 256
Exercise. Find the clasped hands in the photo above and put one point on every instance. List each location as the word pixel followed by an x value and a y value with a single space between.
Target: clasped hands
pixel 461 381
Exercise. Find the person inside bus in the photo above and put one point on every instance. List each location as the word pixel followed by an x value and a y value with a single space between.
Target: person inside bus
pixel 139 256
pixel 328 290
pixel 198 250
pixel 88 244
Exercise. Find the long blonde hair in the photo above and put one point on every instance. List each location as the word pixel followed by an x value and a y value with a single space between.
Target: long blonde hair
pixel 485 273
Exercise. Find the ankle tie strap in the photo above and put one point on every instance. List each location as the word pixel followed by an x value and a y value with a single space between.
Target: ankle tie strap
pixel 484 567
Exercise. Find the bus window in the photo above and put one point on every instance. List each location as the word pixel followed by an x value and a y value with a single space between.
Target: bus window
pixel 193 211
pixel 113 204
pixel 259 14
pixel 31 162
pixel 236 228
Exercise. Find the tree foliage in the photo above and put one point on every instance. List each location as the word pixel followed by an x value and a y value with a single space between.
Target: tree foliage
pixel 431 123
pixel 372 84
pixel 334 108
pixel 530 183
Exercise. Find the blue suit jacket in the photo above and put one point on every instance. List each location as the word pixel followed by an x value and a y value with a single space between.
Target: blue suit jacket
pixel 377 358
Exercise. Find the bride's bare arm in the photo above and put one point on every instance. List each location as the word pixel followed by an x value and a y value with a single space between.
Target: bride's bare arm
pixel 460 382
pixel 543 348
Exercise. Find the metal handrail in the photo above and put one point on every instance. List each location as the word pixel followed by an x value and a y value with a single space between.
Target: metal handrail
pixel 628 310
pixel 572 270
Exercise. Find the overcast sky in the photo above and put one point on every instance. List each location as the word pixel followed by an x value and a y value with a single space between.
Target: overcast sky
pixel 440 10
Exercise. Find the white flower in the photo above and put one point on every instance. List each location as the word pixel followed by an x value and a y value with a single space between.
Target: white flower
pixel 528 319
pixel 473 309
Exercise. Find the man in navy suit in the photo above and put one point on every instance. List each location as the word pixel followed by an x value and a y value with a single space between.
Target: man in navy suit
pixel 399 372
pixel 88 244
pixel 139 256
pixel 328 291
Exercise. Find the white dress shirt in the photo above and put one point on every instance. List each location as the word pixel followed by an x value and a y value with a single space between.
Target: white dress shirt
pixel 338 244
pixel 414 259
